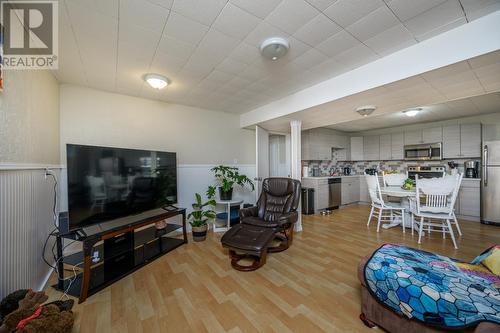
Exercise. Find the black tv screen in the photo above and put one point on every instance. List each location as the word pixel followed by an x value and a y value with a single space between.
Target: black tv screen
pixel 108 183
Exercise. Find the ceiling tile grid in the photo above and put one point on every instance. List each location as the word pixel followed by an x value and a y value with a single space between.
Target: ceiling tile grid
pixel 210 47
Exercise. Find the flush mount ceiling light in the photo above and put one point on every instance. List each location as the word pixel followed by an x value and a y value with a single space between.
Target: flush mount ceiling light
pixel 412 112
pixel 156 81
pixel 274 48
pixel 366 110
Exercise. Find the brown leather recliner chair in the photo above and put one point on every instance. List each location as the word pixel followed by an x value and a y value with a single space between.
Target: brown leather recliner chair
pixel 276 209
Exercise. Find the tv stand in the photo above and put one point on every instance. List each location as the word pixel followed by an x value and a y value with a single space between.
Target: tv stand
pixel 115 249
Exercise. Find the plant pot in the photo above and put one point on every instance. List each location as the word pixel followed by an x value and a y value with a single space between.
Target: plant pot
pixel 225 195
pixel 200 233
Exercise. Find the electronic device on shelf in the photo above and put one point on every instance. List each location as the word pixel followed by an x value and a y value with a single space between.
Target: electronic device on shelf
pixel 107 183
pixel 170 208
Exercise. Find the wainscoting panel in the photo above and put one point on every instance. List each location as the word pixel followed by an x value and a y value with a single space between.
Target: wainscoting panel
pixel 26 201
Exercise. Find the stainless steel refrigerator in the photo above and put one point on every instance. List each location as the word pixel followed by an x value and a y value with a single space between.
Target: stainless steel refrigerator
pixel 490 183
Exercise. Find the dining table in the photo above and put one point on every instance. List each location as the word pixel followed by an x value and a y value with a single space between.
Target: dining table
pixel 405 197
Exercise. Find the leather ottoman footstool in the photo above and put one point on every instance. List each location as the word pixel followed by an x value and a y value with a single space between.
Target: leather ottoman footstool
pixel 247 241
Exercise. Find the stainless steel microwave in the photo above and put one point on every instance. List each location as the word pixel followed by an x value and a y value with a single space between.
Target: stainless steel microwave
pixel 423 152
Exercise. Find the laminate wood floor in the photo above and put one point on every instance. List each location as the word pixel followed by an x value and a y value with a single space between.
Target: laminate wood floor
pixel 311 287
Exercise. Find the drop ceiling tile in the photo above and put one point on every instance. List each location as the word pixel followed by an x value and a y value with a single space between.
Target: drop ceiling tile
pixel 235 22
pixel 202 11
pixel 356 56
pixel 166 65
pixel 297 48
pixel 406 9
pixel 219 77
pixel 445 72
pixel 372 24
pixel 310 59
pixel 478 8
pixel 321 4
pixel 259 8
pixel 245 53
pixel 175 48
pixel 263 31
pixel 231 66
pixel 109 7
pixel 163 3
pixel 338 43
pixel 136 35
pixel 485 60
pixel 441 15
pixel 327 70
pixel 201 68
pixel 317 30
pixel 253 73
pixel 290 15
pixel 391 40
pixel 144 14
pixel 346 12
pixel 448 26
pixel 184 29
pixel 216 45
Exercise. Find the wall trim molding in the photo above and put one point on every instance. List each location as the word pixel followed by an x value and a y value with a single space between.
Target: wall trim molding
pixel 28 166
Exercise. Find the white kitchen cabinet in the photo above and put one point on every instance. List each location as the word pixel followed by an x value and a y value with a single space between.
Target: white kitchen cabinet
pixel 432 135
pixel 470 140
pixel 469 206
pixel 397 146
pixel 356 148
pixel 413 137
pixel 451 141
pixel 386 147
pixel 462 141
pixel 350 190
pixel 323 195
pixel 371 148
pixel 316 144
pixel 364 196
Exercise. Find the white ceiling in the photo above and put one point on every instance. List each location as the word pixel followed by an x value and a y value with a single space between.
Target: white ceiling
pixel 209 48
pixel 467 107
pixel 474 77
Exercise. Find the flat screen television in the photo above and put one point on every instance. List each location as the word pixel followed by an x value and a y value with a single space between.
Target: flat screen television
pixel 107 183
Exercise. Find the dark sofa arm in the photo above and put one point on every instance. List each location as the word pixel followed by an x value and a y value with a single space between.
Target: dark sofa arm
pixel 249 212
pixel 288 218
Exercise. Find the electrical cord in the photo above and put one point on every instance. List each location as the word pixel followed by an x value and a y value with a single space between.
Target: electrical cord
pixel 65 294
pixel 54 221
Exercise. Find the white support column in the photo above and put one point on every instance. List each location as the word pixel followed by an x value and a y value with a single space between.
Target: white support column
pixel 296 160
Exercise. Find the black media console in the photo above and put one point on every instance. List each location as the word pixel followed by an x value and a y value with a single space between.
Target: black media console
pixel 115 249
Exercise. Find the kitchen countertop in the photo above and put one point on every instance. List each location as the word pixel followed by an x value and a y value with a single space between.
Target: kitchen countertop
pixel 327 177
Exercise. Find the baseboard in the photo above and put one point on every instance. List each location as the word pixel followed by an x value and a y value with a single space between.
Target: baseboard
pixel 46 280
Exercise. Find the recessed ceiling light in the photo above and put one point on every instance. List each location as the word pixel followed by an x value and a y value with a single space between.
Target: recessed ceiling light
pixel 366 110
pixel 274 48
pixel 156 81
pixel 412 112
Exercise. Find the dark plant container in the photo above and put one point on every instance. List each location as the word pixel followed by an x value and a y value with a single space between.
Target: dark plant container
pixel 200 233
pixel 225 195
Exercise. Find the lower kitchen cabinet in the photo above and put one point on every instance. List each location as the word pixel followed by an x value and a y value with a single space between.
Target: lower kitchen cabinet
pixel 469 205
pixel 350 190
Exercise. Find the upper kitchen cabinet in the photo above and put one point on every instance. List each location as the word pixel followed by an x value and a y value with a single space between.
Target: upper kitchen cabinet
pixel 317 143
pixel 413 137
pixel 397 146
pixel 470 140
pixel 356 150
pixel 426 135
pixel 432 135
pixel 462 141
pixel 386 147
pixel 371 148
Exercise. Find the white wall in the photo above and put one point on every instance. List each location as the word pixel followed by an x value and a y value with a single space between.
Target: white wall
pixel 29 141
pixel 201 138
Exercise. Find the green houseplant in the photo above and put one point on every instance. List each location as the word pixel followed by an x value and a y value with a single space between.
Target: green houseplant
pixel 202 211
pixel 226 178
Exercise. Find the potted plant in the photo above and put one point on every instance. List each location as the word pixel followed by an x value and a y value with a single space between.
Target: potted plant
pixel 199 216
pixel 226 177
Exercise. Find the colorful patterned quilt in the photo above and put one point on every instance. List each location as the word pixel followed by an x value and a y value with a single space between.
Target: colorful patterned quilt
pixel 434 289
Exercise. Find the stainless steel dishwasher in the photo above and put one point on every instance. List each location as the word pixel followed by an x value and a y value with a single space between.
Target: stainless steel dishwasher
pixel 334 192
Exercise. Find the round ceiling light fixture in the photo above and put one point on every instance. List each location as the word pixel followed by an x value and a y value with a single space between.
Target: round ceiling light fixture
pixel 274 48
pixel 366 110
pixel 156 81
pixel 412 112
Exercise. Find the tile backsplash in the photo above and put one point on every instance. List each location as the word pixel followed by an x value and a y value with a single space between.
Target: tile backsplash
pixel 327 167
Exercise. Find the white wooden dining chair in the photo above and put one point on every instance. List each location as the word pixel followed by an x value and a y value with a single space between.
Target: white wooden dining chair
pixel 379 207
pixel 394 179
pixel 434 205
